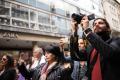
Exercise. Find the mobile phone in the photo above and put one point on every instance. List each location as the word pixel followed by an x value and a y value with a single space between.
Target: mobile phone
pixel 91 17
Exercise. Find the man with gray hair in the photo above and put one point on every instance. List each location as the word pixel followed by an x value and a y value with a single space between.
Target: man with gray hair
pixel 38 57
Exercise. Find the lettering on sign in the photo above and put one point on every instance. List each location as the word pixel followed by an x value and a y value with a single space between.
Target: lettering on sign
pixel 8 35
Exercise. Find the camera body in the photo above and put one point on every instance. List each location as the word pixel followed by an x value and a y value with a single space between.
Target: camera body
pixel 78 17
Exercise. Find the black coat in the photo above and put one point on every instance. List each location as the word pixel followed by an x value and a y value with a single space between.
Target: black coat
pixel 9 74
pixel 58 72
pixel 109 54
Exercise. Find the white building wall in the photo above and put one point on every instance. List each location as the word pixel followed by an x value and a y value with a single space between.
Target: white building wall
pixel 111 14
pixel 91 6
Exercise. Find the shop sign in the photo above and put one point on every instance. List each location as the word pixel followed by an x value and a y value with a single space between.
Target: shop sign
pixel 8 35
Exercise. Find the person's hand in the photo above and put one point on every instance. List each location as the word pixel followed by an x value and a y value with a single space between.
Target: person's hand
pixel 85 22
pixel 61 43
pixel 74 26
pixel 21 61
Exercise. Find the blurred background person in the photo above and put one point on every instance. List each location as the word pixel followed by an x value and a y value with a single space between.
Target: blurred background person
pixel 38 57
pixel 79 60
pixel 52 69
pixel 8 72
pixel 80 63
pixel 67 53
pixel 18 74
pixel 25 56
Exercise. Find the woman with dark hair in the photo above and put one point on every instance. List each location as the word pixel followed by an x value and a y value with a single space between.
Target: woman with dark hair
pixel 8 72
pixel 54 69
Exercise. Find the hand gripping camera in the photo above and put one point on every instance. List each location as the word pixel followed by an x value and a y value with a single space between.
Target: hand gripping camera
pixel 78 17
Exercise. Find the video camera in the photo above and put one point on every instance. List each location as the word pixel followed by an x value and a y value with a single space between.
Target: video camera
pixel 78 17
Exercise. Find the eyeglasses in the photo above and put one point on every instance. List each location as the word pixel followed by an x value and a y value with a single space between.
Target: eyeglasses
pixel 4 59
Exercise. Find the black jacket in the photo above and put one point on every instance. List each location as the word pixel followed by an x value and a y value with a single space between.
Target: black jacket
pixel 109 54
pixel 58 72
pixel 9 74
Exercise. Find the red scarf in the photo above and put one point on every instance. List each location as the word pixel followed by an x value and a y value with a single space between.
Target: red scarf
pixel 96 72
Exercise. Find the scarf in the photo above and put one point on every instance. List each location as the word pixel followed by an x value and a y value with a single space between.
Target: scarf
pixel 105 35
pixel 96 72
pixel 46 69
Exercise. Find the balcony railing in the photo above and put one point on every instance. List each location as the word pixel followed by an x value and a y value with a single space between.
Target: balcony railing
pixel 23 17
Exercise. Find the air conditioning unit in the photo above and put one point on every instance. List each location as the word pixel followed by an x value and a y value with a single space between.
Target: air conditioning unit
pixel 67 14
pixel 53 9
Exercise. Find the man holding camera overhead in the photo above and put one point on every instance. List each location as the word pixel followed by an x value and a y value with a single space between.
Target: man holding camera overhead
pixel 104 56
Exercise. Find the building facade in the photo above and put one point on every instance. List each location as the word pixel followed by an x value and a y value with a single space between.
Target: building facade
pixel 24 23
pixel 112 14
pixel 31 21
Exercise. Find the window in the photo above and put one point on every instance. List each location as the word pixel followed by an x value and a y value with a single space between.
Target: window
pixel 60 23
pixel 43 18
pixel 32 25
pixel 43 5
pixel 4 21
pixel 69 8
pixel 4 10
pixel 23 1
pixel 19 12
pixel 33 19
pixel 68 24
pixel 19 23
pixel 2 2
pixel 45 28
pixel 32 2
pixel 33 15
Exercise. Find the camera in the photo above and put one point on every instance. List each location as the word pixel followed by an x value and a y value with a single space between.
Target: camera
pixel 78 17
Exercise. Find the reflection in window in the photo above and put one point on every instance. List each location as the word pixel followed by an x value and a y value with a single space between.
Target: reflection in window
pixel 57 6
pixel 4 3
pixel 32 2
pixel 47 28
pixel 70 8
pixel 52 8
pixel 44 28
pixel 19 12
pixel 4 11
pixel 41 28
pixel 60 23
pixel 23 1
pixel 44 1
pixel 43 5
pixel 54 29
pixel 7 4
pixel 19 23
pixel 4 21
pixel 32 15
pixel 32 25
pixel 68 24
pixel 43 18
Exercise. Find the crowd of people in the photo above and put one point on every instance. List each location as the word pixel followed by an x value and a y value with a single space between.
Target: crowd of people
pixel 94 57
